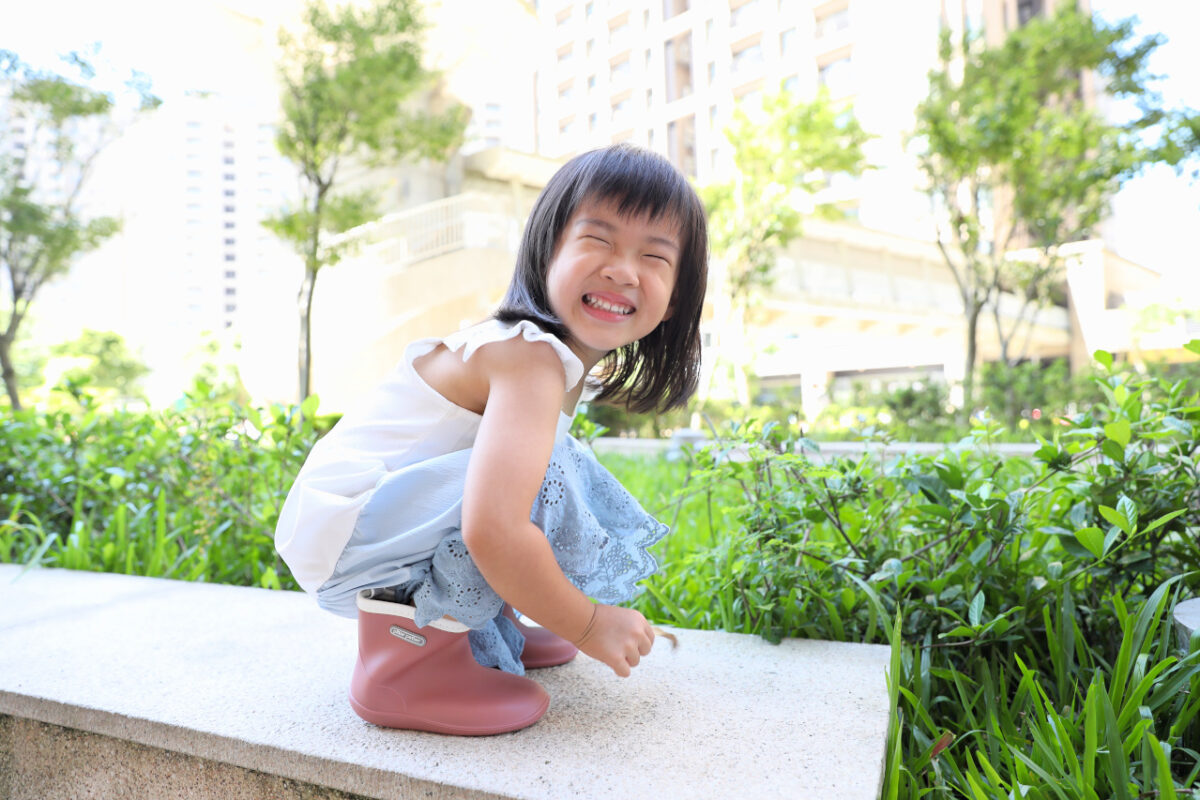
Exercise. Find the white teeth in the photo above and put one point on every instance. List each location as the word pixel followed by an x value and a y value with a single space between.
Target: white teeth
pixel 604 305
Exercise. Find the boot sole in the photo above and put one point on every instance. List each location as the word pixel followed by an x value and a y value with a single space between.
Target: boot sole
pixel 547 662
pixel 400 720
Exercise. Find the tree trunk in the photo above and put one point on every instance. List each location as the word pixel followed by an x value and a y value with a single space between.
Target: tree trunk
pixel 10 373
pixel 969 367
pixel 304 302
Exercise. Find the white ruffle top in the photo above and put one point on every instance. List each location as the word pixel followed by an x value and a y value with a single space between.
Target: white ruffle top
pixel 401 422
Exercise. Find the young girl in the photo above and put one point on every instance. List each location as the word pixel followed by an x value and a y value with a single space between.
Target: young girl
pixel 454 494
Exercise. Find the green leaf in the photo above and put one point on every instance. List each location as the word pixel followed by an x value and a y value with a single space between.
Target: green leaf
pixel 1163 520
pixel 1193 346
pixel 1113 450
pixel 1119 431
pixel 1104 357
pixel 309 407
pixel 1093 539
pixel 1116 518
pixel 975 612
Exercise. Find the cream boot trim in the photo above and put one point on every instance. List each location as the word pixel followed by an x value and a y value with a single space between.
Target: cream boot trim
pixel 371 606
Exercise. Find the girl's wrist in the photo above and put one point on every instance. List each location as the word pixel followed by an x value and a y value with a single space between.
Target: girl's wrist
pixel 588 630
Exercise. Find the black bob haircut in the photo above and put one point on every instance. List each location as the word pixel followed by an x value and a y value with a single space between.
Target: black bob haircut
pixel 661 370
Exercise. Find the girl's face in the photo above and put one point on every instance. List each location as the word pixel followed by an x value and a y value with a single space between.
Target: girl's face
pixel 612 278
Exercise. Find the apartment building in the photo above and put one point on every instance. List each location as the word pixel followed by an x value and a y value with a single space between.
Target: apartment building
pixel 668 74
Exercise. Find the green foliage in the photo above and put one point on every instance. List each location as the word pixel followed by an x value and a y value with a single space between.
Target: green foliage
pixel 782 158
pixel 67 123
pixel 108 365
pixel 1014 153
pixel 1026 601
pixel 351 80
pixel 190 493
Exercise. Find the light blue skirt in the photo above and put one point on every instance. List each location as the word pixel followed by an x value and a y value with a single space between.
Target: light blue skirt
pixel 408 539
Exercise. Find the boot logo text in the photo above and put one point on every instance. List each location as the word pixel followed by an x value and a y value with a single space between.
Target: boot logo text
pixel 407 635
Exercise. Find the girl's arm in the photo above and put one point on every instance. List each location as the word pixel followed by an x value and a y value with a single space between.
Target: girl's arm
pixel 508 464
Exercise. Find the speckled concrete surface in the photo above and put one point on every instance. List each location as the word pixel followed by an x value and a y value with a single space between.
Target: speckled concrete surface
pixel 1187 620
pixel 258 679
pixel 48 762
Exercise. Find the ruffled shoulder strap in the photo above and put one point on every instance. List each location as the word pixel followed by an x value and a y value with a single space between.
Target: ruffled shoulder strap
pixel 493 330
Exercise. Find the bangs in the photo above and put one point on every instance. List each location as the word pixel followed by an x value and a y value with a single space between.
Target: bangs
pixel 636 183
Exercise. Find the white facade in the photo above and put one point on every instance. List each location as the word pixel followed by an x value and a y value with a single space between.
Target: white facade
pixel 667 74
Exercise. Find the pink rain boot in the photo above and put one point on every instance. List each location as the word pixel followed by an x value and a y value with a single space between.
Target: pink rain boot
pixel 542 648
pixel 426 679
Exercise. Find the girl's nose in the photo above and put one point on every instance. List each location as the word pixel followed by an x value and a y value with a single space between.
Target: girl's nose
pixel 621 270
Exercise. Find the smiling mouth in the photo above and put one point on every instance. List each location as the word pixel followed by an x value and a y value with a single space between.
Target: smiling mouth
pixel 604 305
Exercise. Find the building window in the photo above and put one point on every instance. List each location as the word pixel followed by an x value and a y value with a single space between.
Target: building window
pixel 230 274
pixel 565 92
pixel 229 193
pixel 229 225
pixel 230 209
pixel 592 122
pixel 227 159
pixel 589 9
pixel 787 42
pixel 229 309
pixel 837 77
pixel 229 176
pixel 1027 10
pixel 746 14
pixel 831 23
pixel 673 7
pixel 677 60
pixel 621 110
pixel 751 100
pixel 681 144
pixel 748 57
pixel 591 81
pixel 230 291
pixel 619 35
pixel 230 257
pixel 230 241
pixel 565 55
pixel 621 70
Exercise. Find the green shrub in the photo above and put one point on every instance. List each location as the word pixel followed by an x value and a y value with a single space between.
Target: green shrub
pixel 189 493
pixel 1026 600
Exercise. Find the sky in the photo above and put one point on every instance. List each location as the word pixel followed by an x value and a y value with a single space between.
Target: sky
pixel 1155 219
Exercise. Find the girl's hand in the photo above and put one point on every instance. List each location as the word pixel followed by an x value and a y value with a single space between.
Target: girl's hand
pixel 617 636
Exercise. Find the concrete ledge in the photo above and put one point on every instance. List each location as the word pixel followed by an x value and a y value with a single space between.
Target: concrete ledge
pixel 256 681
pixel 1187 620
